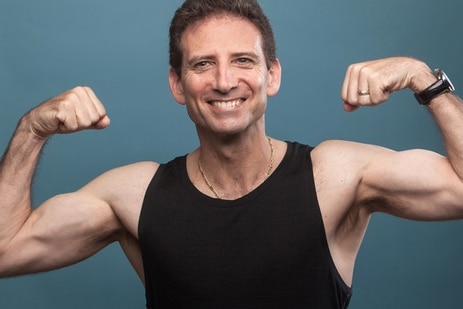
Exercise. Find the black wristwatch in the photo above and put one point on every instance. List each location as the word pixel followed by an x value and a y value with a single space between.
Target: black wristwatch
pixel 442 85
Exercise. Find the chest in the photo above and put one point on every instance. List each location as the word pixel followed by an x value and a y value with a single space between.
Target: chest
pixel 271 248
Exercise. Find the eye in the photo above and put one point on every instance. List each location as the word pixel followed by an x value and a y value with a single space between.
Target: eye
pixel 202 64
pixel 243 60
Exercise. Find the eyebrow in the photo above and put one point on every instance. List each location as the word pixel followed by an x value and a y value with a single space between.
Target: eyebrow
pixel 246 54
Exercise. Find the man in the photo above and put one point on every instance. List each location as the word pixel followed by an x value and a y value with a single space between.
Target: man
pixel 244 220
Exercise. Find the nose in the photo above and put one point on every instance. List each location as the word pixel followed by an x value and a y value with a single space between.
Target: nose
pixel 225 79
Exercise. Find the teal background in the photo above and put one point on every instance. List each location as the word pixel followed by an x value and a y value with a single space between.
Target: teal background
pixel 119 48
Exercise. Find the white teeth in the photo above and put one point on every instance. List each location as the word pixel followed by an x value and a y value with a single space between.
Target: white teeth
pixel 228 104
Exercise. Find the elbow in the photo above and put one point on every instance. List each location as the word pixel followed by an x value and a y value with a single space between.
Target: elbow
pixel 6 269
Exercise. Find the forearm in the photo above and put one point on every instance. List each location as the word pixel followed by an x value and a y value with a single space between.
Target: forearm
pixel 447 110
pixel 17 169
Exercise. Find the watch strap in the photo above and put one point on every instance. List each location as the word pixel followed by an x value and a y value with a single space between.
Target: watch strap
pixel 442 85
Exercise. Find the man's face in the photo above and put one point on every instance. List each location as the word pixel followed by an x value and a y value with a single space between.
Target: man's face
pixel 224 81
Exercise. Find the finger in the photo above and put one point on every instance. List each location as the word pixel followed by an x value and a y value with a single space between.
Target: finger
pixel 103 119
pixel 101 110
pixel 350 84
pixel 345 84
pixel 67 122
pixel 364 89
pixel 86 109
pixel 91 112
pixel 77 111
pixel 83 109
pixel 353 86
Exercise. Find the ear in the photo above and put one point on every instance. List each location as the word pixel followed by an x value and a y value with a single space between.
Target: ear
pixel 176 87
pixel 274 78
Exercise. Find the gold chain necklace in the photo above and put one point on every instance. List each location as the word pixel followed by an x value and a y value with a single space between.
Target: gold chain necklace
pixel 269 171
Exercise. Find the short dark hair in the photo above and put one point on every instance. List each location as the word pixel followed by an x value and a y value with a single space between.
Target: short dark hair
pixel 193 11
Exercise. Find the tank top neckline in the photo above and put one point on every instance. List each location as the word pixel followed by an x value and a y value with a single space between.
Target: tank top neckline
pixel 241 201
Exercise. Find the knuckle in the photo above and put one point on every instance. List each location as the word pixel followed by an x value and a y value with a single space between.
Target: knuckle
pixel 95 118
pixel 366 71
pixel 78 89
pixel 77 93
pixel 375 75
pixel 70 97
pixel 354 66
pixel 375 101
pixel 85 123
pixel 74 126
pixel 69 125
pixel 87 89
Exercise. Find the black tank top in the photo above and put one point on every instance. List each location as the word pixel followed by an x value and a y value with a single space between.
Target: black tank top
pixel 267 249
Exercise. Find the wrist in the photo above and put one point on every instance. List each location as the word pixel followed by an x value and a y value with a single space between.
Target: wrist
pixel 26 129
pixel 422 79
pixel 440 86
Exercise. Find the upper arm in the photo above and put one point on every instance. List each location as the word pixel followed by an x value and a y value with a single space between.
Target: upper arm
pixel 64 230
pixel 415 184
pixel 355 180
pixel 71 227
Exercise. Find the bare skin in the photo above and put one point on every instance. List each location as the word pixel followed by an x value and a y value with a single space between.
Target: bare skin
pixel 224 86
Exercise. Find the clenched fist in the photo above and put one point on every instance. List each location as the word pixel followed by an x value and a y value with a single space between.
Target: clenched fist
pixel 72 111
pixel 370 83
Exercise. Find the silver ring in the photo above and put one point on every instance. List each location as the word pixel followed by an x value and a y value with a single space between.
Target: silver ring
pixel 364 92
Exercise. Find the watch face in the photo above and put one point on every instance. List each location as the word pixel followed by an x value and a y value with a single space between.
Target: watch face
pixel 446 80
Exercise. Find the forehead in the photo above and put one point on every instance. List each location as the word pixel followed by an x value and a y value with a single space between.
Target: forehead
pixel 221 33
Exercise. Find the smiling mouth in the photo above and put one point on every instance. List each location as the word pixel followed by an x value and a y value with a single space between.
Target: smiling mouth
pixel 227 104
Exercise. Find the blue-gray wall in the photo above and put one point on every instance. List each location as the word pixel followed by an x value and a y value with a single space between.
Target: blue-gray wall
pixel 120 49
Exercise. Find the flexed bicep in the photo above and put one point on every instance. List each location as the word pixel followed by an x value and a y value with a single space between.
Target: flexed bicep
pixel 64 230
pixel 414 184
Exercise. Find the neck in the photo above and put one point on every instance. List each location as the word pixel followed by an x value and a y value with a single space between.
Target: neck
pixel 234 171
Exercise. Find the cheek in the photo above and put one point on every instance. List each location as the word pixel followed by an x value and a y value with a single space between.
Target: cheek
pixel 262 85
pixel 262 79
pixel 193 86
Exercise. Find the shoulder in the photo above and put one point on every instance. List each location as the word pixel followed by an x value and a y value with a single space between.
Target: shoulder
pixel 144 168
pixel 341 165
pixel 123 189
pixel 139 171
pixel 336 162
pixel 344 147
pixel 343 152
pixel 123 182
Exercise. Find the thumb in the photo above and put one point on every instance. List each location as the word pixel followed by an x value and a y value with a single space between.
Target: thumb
pixel 102 123
pixel 349 107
